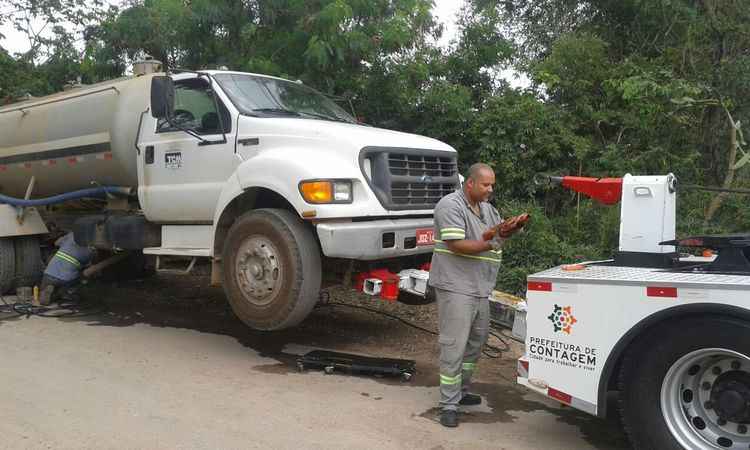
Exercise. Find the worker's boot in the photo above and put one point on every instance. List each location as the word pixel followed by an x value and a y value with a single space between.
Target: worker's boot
pixel 469 399
pixel 45 297
pixel 449 418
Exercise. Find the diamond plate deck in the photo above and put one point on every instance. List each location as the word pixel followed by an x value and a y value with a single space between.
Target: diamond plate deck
pixel 602 274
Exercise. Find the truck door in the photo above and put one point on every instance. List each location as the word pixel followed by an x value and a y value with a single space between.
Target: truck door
pixel 180 176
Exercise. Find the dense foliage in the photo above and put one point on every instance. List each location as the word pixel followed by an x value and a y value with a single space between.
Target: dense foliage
pixel 617 86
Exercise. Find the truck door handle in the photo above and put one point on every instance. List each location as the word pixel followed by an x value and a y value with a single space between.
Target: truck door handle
pixel 149 156
pixel 249 141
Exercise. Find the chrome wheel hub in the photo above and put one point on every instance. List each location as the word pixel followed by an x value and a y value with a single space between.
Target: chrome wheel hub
pixel 258 270
pixel 705 399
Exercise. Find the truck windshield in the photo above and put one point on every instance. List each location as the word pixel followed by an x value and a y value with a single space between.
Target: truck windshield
pixel 255 95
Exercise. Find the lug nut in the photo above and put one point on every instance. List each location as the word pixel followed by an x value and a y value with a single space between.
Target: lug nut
pixel 721 422
pixel 716 370
pixel 742 429
pixel 736 365
pixel 706 386
pixel 708 405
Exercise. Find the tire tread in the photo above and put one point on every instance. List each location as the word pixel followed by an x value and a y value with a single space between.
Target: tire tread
pixel 7 265
pixel 304 250
pixel 660 340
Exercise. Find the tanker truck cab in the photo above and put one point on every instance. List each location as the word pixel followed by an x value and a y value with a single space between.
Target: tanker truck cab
pixel 282 189
pixel 187 153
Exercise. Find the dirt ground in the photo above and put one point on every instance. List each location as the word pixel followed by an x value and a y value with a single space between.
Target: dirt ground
pixel 163 363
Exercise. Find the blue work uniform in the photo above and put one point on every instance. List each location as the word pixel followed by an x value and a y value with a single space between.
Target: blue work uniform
pixel 66 265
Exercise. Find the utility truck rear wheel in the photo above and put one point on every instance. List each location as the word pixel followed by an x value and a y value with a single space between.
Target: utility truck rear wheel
pixel 7 264
pixel 687 386
pixel 29 266
pixel 272 269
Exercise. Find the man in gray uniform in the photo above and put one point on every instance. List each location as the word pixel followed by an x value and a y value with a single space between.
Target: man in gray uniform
pixel 64 269
pixel 465 264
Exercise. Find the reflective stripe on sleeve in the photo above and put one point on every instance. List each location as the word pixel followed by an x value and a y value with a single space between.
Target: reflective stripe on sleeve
pixel 67 258
pixel 452 233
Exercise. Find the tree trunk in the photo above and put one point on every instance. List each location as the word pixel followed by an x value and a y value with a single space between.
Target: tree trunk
pixel 729 178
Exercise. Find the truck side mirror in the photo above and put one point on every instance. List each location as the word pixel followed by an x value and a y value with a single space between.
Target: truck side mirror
pixel 162 97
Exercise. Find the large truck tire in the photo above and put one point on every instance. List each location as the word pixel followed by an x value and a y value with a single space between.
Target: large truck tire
pixel 687 386
pixel 7 265
pixel 272 271
pixel 29 266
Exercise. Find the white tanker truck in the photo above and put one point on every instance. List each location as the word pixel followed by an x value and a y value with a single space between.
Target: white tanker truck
pixel 279 187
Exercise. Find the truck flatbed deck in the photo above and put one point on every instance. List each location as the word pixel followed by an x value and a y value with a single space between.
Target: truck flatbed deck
pixel 607 274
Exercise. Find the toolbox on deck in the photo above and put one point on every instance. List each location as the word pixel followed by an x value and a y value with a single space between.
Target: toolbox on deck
pixel 509 312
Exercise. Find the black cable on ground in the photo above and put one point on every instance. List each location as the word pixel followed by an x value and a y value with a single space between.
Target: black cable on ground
pixel 490 351
pixel 65 308
pixel 499 337
pixel 7 308
pixel 382 313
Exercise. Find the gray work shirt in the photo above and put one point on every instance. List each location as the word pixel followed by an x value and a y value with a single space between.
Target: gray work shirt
pixel 464 274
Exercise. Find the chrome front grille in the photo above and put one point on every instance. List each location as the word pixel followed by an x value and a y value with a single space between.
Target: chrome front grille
pixel 419 193
pixel 421 165
pixel 410 178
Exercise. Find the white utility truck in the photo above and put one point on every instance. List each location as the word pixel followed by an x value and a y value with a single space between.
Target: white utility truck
pixel 268 178
pixel 670 332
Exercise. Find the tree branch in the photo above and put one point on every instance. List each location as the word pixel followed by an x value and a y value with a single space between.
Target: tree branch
pixel 716 202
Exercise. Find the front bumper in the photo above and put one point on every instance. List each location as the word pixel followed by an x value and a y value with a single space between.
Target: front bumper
pixel 364 240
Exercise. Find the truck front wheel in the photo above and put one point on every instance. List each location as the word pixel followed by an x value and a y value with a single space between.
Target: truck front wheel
pixel 687 385
pixel 272 271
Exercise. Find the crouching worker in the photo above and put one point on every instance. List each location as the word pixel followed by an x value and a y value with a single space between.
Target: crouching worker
pixel 63 273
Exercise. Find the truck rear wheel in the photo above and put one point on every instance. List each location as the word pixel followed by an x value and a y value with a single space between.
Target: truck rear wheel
pixel 272 271
pixel 7 264
pixel 28 261
pixel 688 386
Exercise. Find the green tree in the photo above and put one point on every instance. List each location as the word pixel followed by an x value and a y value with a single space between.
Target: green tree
pixel 657 85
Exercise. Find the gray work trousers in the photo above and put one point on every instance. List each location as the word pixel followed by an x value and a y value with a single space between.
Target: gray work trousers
pixel 464 326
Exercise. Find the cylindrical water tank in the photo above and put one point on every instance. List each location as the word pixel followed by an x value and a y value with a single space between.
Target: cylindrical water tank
pixel 73 139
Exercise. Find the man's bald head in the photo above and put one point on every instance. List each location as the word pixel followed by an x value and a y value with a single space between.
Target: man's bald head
pixel 478 170
pixel 479 182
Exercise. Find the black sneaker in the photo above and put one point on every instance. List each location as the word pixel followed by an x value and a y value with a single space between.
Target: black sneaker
pixel 449 418
pixel 470 399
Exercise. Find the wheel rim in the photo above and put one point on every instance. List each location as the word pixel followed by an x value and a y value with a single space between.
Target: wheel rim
pixel 705 399
pixel 258 270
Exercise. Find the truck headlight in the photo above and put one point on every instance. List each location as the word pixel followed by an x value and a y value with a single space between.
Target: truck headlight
pixel 326 191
